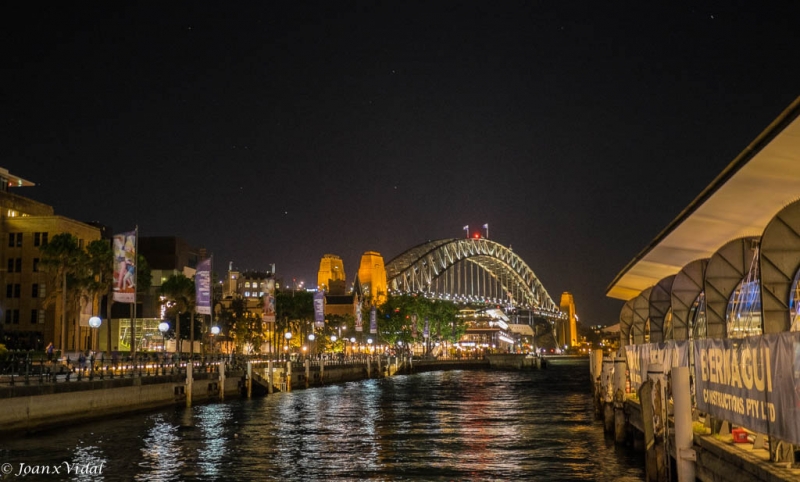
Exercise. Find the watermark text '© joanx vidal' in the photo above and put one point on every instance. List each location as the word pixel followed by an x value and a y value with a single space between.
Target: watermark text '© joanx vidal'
pixel 64 468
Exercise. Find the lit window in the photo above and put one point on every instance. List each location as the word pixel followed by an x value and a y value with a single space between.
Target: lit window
pixel 247 294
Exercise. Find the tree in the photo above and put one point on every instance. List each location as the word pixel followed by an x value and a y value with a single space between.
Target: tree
pixel 179 292
pixel 63 258
pixel 294 310
pixel 100 260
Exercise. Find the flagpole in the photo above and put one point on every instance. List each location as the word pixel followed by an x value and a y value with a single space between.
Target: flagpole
pixel 487 230
pixel 135 288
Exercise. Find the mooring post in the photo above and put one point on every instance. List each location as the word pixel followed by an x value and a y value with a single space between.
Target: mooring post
pixel 249 379
pixel 289 376
pixel 221 379
pixel 307 364
pixel 189 383
pixel 270 377
pixel 597 369
pixel 651 396
pixel 684 437
pixel 321 371
pixel 369 367
pixel 620 377
pixel 607 382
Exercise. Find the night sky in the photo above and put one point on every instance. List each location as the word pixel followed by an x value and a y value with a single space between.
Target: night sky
pixel 277 132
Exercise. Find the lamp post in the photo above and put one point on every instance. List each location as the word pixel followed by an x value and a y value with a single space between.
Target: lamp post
pixel 214 333
pixel 288 336
pixel 94 323
pixel 311 338
pixel 163 327
pixel 352 341
pixel 369 345
pixel 333 341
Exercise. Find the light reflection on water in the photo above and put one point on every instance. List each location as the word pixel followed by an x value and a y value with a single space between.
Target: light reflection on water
pixel 458 425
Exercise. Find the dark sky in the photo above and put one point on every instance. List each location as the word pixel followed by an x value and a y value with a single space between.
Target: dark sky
pixel 275 132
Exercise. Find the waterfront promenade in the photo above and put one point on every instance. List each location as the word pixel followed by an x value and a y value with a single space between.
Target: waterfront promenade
pixel 40 396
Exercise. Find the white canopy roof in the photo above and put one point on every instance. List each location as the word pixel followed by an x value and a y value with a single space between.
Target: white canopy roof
pixel 762 180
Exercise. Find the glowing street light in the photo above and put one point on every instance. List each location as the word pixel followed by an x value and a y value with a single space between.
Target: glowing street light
pixel 163 327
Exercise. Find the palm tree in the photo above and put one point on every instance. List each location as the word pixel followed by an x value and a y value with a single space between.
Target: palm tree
pixel 63 258
pixel 101 265
pixel 179 290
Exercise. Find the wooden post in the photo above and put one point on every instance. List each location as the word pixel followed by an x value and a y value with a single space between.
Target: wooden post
pixel 607 387
pixel 369 368
pixel 620 377
pixel 307 364
pixel 189 383
pixel 650 395
pixel 270 374
pixel 221 379
pixel 289 376
pixel 249 379
pixel 596 371
pixel 321 371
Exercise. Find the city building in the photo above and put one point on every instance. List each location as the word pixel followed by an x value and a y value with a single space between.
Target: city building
pixel 31 319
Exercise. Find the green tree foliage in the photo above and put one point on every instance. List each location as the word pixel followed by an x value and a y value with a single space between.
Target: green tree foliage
pixel 64 260
pixel 179 293
pixel 294 312
pixel 398 316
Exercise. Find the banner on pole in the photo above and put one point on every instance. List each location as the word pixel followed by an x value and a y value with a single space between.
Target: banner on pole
pixel 319 309
pixel 202 286
pixel 373 321
pixel 359 322
pixel 414 325
pixel 124 246
pixel 268 312
pixel 426 328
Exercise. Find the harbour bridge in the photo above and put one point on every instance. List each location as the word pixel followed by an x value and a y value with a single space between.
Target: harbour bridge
pixel 474 271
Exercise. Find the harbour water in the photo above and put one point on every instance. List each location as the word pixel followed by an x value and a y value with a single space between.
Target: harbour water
pixel 457 425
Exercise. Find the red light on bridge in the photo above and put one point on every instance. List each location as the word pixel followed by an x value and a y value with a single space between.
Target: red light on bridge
pixel 476 235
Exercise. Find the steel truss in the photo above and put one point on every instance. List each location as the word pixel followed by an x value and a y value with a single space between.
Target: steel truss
pixel 469 269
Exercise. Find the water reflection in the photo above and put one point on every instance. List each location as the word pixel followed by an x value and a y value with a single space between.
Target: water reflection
pixel 432 426
pixel 162 457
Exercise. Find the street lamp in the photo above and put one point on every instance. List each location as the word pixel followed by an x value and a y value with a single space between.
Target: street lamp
pixel 333 341
pixel 288 336
pixel 214 333
pixel 95 323
pixel 352 340
pixel 311 338
pixel 369 345
pixel 163 327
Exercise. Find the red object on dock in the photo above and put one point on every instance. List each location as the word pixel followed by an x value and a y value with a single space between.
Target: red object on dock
pixel 739 435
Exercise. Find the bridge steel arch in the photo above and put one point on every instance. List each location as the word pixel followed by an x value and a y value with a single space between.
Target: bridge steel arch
pixel 416 270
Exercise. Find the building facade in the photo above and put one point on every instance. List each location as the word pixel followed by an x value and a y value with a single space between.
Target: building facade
pixel 29 321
